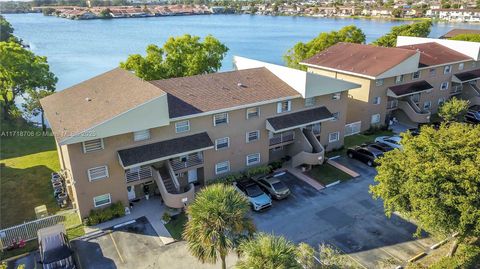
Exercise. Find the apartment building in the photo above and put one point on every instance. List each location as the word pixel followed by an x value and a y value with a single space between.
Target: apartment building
pixel 408 82
pixel 117 134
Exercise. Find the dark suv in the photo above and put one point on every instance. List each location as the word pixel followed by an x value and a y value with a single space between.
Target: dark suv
pixel 365 154
pixel 473 115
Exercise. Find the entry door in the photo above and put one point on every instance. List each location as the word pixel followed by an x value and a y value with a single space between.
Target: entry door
pixel 131 192
pixel 192 176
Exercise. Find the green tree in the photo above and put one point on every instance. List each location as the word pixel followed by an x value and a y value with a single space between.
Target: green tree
pixel 305 256
pixel 302 51
pixel 218 221
pixel 106 13
pixel 418 29
pixel 179 57
pixel 21 71
pixel 32 105
pixel 266 251
pixel 6 29
pixel 434 180
pixel 397 13
pixel 453 109
pixel 467 37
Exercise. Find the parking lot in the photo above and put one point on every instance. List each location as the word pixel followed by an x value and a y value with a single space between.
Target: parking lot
pixel 345 216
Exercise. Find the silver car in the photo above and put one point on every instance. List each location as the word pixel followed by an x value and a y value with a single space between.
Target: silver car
pixel 274 186
pixel 392 141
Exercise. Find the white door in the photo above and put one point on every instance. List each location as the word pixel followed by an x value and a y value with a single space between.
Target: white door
pixel 131 192
pixel 192 176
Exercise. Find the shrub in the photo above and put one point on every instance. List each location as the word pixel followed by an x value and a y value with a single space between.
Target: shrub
pixel 228 179
pixel 97 216
pixel 264 169
pixel 166 217
pixel 276 165
pixel 376 129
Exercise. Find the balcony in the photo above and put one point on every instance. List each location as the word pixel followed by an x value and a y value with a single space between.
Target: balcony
pixel 392 104
pixel 414 112
pixel 282 138
pixel 137 174
pixel 456 89
pixel 187 161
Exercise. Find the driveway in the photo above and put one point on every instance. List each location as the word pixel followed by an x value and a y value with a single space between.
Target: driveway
pixel 345 216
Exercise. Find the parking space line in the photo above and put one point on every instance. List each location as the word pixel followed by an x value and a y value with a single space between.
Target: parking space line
pixel 391 255
pixel 116 248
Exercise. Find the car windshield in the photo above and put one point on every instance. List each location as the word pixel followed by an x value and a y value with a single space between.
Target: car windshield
pixel 279 186
pixel 253 191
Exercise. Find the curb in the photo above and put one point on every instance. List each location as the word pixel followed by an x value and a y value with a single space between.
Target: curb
pixel 332 184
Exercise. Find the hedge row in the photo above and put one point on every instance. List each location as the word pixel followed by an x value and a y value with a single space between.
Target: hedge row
pixel 97 216
pixel 259 170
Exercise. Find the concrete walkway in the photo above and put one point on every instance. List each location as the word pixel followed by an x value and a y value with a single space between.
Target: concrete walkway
pixel 342 168
pixel 152 209
pixel 306 179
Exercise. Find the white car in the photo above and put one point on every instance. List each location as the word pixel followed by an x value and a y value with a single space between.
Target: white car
pixel 392 141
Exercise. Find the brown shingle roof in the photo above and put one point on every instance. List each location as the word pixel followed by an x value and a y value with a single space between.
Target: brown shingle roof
pixel 299 118
pixel 411 88
pixel 432 53
pixel 361 59
pixel 210 92
pixel 468 75
pixel 109 94
pixel 455 32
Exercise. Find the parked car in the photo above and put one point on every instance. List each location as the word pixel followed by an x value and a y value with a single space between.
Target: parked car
pixel 273 186
pixel 365 154
pixel 380 146
pixel 473 114
pixel 54 248
pixel 258 198
pixel 392 141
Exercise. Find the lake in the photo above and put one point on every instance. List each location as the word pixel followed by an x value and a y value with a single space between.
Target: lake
pixel 78 50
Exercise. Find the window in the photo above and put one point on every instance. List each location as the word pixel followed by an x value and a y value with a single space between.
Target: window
pixel 333 137
pixel 375 119
pixel 416 75
pixel 141 135
pixel 447 69
pixel 461 66
pixel 222 167
pixel 427 105
pixel 336 96
pixel 253 136
pixel 444 86
pixel 433 72
pixel 97 173
pixel 182 126
pixel 310 101
pixel 284 106
pixel 474 64
pixel 253 112
pixel 253 159
pixel 335 116
pixel 104 199
pixel 92 145
pixel 377 100
pixel 441 101
pixel 221 118
pixel 222 143
pixel 379 82
pixel 398 79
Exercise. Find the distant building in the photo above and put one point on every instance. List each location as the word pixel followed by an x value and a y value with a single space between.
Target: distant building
pixel 455 32
pixel 455 15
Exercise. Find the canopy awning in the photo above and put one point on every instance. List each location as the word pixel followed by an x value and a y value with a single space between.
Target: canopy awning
pixel 466 76
pixel 163 150
pixel 298 119
pixel 409 89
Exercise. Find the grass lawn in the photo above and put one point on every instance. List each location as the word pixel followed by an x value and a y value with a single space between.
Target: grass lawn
pixel 176 225
pixel 354 140
pixel 26 163
pixel 326 174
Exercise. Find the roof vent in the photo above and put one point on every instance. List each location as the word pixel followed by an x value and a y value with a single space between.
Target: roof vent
pixel 241 85
pixel 88 99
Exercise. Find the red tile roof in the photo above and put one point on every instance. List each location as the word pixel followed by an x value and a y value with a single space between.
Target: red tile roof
pixel 433 53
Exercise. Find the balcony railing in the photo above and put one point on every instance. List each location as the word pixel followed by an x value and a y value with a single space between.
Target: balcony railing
pixel 456 89
pixel 189 161
pixel 392 104
pixel 282 138
pixel 133 175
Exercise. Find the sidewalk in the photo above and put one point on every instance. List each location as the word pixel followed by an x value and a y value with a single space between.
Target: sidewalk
pixel 306 179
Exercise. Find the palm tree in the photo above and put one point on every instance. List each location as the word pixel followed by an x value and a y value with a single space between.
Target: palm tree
pixel 266 251
pixel 217 222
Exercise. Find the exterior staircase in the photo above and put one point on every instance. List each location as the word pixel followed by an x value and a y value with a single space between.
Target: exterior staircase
pixel 312 139
pixel 475 100
pixel 167 180
pixel 309 150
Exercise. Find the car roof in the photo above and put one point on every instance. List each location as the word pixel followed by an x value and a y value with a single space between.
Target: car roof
pixel 475 108
pixel 272 180
pixel 373 150
pixel 246 182
pixel 393 137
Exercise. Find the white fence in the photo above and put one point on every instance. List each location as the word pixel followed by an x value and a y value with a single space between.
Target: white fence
pixel 28 230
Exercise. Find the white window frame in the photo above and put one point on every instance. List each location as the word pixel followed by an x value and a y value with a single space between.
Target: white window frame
pixel 376 116
pixel 280 106
pixel 337 134
pixel 220 114
pixel 379 82
pixel 310 101
pixel 432 72
pixel 247 136
pixel 102 146
pixel 379 98
pixel 440 101
pixel 461 66
pixel 216 143
pixel 446 87
pixel 224 163
pixel 97 178
pixel 336 96
pixel 429 105
pixel 177 131
pixel 399 79
pixel 447 69
pixel 257 111
pixel 109 200
pixel 417 73
pixel 141 135
pixel 254 155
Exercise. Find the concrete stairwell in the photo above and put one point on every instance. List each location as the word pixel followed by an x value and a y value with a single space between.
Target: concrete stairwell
pixel 475 100
pixel 167 180
pixel 317 147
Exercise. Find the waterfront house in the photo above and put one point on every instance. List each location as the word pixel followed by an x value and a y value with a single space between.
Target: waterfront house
pixel 116 133
pixel 454 32
pixel 455 15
